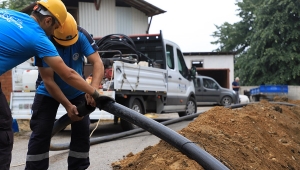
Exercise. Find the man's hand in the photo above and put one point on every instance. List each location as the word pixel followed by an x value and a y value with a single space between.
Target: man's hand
pixel 73 113
pixel 101 99
pixel 90 100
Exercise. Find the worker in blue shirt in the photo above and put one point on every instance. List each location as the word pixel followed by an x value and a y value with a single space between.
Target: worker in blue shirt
pixel 21 37
pixel 72 43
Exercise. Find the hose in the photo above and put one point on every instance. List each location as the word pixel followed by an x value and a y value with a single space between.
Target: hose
pixel 121 42
pixel 63 122
pixel 184 145
pixel 245 104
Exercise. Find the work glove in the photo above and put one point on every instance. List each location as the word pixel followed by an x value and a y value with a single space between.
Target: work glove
pixel 84 109
pixel 101 100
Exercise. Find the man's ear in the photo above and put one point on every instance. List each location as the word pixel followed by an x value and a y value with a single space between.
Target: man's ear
pixel 48 20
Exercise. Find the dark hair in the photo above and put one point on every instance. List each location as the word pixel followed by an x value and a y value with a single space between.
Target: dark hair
pixel 40 16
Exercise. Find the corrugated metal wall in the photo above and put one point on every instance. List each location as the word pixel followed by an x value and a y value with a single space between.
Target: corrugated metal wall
pixel 123 20
pixel 110 19
pixel 98 22
pixel 140 24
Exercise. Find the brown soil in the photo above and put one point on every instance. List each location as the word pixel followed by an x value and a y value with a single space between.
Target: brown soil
pixel 260 136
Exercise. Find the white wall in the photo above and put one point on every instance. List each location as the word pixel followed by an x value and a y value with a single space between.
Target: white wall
pixel 110 19
pixel 98 22
pixel 214 62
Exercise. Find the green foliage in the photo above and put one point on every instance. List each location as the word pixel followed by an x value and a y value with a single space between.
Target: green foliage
pixel 15 4
pixel 3 4
pixel 266 41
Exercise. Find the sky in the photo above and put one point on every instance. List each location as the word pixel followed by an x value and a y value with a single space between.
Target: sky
pixel 190 23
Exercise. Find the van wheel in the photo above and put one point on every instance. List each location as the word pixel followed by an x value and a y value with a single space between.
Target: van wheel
pixel 226 100
pixel 136 106
pixel 191 108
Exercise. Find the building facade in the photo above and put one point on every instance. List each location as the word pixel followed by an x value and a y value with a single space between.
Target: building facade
pixel 218 65
pixel 104 17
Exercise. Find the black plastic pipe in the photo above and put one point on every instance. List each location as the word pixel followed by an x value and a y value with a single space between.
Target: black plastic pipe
pixel 184 145
pixel 84 110
pixel 245 104
pixel 59 126
pixel 65 120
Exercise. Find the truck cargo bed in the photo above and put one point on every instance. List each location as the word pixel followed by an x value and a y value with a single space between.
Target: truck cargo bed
pixel 268 92
pixel 139 78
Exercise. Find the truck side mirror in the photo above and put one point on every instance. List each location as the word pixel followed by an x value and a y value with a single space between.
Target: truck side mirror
pixel 192 73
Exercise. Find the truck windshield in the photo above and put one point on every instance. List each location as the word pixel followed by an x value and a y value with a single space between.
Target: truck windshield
pixel 181 64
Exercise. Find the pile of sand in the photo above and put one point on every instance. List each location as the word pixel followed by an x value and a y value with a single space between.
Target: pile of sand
pixel 263 135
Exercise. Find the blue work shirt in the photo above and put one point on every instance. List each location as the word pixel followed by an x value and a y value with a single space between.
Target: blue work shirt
pixel 21 38
pixel 235 84
pixel 73 56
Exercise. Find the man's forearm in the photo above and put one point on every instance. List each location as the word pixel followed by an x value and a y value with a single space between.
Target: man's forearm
pixel 98 74
pixel 69 75
pixel 57 94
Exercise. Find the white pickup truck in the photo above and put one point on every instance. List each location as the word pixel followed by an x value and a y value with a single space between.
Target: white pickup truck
pixel 145 73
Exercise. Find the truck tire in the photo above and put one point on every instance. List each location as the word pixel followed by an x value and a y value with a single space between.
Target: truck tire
pixel 226 101
pixel 191 108
pixel 136 106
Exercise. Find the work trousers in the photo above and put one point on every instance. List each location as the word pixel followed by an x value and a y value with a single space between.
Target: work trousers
pixel 237 97
pixel 6 133
pixel 44 111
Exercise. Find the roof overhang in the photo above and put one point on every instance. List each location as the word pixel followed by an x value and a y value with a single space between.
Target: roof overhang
pixel 147 8
pixel 141 5
pixel 207 53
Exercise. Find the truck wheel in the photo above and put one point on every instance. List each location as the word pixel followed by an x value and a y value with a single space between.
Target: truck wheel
pixel 191 108
pixel 226 100
pixel 136 106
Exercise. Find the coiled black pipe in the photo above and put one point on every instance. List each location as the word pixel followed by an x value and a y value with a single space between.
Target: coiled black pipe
pixel 173 138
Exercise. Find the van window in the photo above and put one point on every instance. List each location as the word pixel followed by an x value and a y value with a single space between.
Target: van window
pixel 197 82
pixel 170 56
pixel 210 84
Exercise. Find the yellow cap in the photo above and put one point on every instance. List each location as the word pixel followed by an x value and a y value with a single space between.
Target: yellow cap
pixel 67 34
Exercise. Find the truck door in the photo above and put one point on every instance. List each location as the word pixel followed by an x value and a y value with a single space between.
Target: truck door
pixel 173 77
pixel 183 81
pixel 198 89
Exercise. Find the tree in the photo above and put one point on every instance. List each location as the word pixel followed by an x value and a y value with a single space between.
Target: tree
pixel 3 4
pixel 236 37
pixel 270 53
pixel 15 4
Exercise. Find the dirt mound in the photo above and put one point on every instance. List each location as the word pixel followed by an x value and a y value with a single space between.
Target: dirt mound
pixel 258 136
